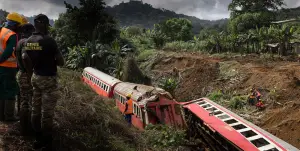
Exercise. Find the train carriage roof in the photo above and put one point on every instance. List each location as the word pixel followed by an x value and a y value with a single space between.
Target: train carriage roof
pixel 201 108
pixel 140 93
pixel 102 76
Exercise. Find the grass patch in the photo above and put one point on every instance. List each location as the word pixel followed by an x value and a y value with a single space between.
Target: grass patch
pixel 184 46
pixel 146 54
pixel 216 96
pixel 164 137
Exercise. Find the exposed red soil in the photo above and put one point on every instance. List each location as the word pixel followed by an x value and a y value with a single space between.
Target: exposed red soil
pixel 201 74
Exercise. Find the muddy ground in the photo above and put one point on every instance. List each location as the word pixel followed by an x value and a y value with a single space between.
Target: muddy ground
pixel 276 78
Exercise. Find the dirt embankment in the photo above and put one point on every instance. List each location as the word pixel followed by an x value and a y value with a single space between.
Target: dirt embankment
pixel 277 80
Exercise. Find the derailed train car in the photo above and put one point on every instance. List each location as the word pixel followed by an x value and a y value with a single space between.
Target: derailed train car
pixel 226 131
pixel 221 129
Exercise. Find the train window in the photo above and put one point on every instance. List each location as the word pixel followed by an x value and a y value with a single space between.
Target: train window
pixel 248 133
pixel 218 112
pixel 238 127
pixel 231 121
pixel 139 112
pixel 260 142
pixel 206 106
pixel 202 102
pixel 223 117
pixel 134 109
pixel 212 109
pixel 273 149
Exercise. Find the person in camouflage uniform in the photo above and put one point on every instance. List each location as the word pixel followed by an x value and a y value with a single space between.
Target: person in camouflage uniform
pixel 23 79
pixel 41 58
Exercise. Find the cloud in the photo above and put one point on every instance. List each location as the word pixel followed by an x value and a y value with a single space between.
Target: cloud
pixel 204 9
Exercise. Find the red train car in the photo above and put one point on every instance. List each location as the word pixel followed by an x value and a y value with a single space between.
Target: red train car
pixel 228 131
pixel 102 83
pixel 150 105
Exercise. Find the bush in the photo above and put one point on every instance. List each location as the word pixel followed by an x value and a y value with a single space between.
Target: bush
pixel 187 46
pixel 237 102
pixel 159 39
pixel 162 136
pixel 144 55
pixel 169 85
pixel 216 96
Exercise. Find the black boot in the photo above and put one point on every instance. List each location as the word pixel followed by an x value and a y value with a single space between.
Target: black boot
pixel 2 103
pixel 9 111
pixel 39 141
pixel 26 128
pixel 48 143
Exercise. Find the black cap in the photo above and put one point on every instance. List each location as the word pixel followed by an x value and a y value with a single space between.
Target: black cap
pixel 42 19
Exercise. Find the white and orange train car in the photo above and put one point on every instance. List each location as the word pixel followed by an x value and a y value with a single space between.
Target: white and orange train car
pixel 101 83
pixel 150 104
pixel 218 127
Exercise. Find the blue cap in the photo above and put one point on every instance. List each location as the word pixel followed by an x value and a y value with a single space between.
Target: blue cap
pixel 11 23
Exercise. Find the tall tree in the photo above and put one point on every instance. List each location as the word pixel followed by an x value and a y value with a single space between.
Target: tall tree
pixel 238 7
pixel 91 21
pixel 176 29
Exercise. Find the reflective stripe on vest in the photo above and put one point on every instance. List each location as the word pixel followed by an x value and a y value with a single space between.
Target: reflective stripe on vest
pixel 11 62
pixel 130 107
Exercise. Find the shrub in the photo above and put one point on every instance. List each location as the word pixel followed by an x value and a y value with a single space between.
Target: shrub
pixel 237 102
pixel 144 55
pixel 162 136
pixel 216 96
pixel 169 85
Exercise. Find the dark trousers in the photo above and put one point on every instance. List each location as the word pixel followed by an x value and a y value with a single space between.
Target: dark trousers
pixel 128 118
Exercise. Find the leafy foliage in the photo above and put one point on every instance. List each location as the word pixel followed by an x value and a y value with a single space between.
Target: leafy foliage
pixel 176 29
pixel 162 136
pixel 237 102
pixel 216 96
pixel 238 7
pixel 169 85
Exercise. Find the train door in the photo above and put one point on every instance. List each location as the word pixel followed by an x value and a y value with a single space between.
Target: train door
pixel 166 115
pixel 152 115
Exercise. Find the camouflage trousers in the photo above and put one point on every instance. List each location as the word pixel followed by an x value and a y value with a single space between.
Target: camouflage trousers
pixel 24 102
pixel 45 96
pixel 25 90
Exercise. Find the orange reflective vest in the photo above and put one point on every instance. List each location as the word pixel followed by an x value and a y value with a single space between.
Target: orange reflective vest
pixel 11 62
pixel 129 108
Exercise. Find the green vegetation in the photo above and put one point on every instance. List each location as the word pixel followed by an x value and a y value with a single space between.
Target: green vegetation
pixel 216 96
pixel 164 137
pixel 237 102
pixel 169 85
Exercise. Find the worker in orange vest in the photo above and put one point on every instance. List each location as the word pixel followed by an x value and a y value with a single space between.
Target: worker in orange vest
pixel 8 66
pixel 128 109
pixel 251 99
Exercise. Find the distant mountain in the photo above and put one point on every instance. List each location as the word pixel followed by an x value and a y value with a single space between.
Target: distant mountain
pixel 3 15
pixel 288 13
pixel 144 15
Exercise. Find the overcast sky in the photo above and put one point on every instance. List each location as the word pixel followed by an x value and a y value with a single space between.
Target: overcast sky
pixel 203 9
